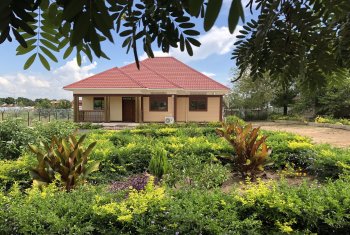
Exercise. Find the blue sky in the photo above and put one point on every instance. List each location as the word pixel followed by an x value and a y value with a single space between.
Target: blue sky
pixel 212 59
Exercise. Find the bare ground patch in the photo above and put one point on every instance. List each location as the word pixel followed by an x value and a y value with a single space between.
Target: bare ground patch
pixel 319 135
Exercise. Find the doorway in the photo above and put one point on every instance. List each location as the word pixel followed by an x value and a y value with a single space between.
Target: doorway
pixel 128 109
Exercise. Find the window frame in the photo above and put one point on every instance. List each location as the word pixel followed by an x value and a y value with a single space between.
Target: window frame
pixel 159 98
pixel 103 103
pixel 198 98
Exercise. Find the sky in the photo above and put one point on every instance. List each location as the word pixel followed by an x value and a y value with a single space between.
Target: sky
pixel 212 59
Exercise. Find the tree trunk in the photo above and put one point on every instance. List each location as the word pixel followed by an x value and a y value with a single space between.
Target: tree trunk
pixel 285 110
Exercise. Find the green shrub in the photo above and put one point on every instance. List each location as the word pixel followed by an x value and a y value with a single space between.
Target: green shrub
pixel 159 164
pixel 234 120
pixel 321 209
pixel 290 117
pixel 60 129
pixel 16 171
pixel 14 138
pixel 53 211
pixel 191 171
pixel 88 126
pixel 331 120
pixel 290 148
pixel 134 157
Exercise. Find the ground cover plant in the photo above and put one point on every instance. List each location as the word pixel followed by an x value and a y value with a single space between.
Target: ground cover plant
pixel 331 120
pixel 305 189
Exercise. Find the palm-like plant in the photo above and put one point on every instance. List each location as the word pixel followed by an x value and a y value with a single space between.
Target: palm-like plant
pixel 65 158
pixel 250 152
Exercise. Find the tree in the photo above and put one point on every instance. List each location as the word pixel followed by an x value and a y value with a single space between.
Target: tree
pixel 300 41
pixel 333 100
pixel 43 104
pixel 9 100
pixel 250 94
pixel 21 101
pixel 44 27
pixel 284 96
pixel 64 104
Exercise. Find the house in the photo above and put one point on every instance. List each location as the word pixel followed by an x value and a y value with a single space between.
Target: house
pixel 163 88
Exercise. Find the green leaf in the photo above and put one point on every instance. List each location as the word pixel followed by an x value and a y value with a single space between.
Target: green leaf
pixel 236 11
pixel 194 42
pixel 78 58
pixel 211 13
pixel 68 52
pixel 44 61
pixel 21 50
pixel 195 7
pixel 81 28
pixel 49 45
pixel 191 32
pixel 19 38
pixel 49 54
pixel 189 48
pixel 73 8
pixel 92 168
pixel 30 61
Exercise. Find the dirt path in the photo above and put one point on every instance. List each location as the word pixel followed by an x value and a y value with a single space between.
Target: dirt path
pixel 335 137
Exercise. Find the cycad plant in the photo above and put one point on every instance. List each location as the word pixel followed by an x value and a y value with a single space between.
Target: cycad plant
pixel 250 151
pixel 63 160
pixel 159 165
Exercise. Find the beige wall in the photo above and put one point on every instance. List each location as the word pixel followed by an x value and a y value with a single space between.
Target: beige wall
pixel 152 116
pixel 211 115
pixel 116 108
pixel 182 110
pixel 88 103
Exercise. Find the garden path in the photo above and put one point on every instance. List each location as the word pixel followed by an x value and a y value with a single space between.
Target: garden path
pixel 335 137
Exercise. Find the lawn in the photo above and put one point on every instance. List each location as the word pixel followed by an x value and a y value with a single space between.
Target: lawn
pixel 304 188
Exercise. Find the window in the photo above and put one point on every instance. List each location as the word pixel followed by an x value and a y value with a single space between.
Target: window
pixel 99 103
pixel 198 103
pixel 158 103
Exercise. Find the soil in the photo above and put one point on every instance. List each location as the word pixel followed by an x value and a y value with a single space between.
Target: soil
pixel 319 135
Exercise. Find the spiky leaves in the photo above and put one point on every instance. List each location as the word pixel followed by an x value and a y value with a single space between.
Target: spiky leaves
pixel 250 150
pixel 67 159
pixel 159 165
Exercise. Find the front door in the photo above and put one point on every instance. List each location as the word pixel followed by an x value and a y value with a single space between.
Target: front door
pixel 128 109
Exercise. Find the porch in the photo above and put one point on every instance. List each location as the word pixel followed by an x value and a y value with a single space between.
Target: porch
pixel 140 108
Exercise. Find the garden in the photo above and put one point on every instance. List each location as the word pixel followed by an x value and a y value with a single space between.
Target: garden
pixel 170 179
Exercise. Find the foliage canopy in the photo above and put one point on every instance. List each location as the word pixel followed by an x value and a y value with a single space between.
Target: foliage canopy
pixel 44 27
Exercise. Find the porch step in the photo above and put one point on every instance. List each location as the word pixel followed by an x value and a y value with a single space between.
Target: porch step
pixel 119 126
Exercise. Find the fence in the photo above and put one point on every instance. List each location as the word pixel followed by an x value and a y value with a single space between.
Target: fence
pixel 251 114
pixel 32 115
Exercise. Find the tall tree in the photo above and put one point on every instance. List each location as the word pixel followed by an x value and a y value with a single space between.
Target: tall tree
pixel 301 41
pixel 250 94
pixel 64 104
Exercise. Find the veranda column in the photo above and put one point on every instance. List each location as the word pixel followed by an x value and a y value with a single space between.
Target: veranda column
pixel 175 108
pixel 107 109
pixel 221 107
pixel 76 108
pixel 142 109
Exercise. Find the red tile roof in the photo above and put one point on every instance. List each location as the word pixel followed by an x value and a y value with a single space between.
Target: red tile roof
pixel 155 73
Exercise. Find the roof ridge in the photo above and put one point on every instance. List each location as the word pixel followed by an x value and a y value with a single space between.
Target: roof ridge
pixel 74 83
pixel 176 85
pixel 201 73
pixel 139 83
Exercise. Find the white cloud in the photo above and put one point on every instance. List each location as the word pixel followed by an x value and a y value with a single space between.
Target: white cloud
pixel 208 74
pixel 218 41
pixel 156 54
pixel 40 86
